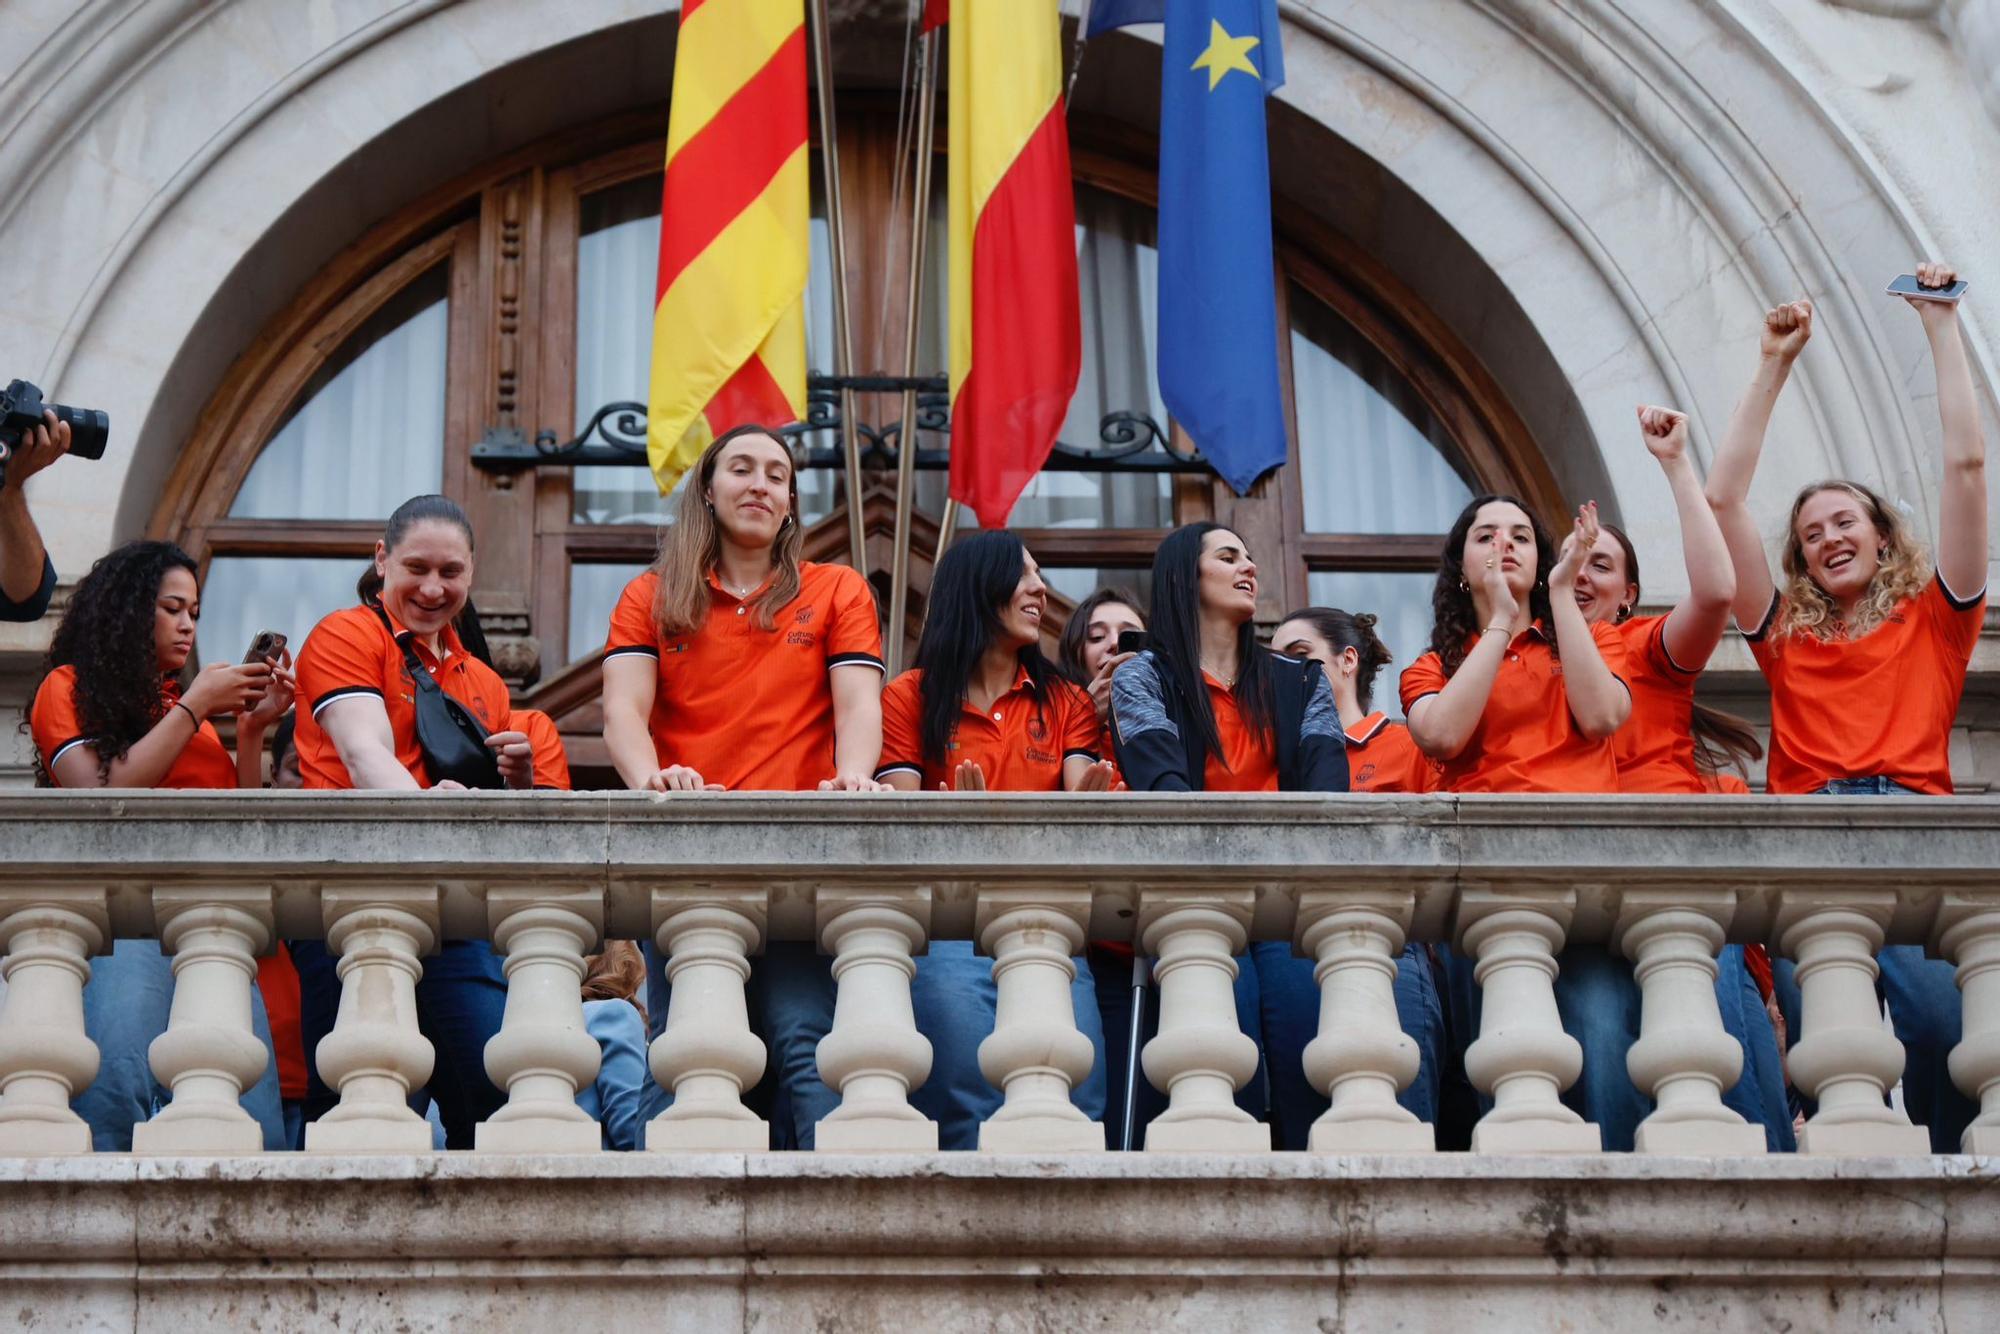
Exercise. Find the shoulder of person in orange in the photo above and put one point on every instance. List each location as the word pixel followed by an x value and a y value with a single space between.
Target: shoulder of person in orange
pixel 353 653
pixel 57 728
pixel 1880 704
pixel 1019 745
pixel 1526 740
pixel 551 757
pixel 1655 750
pixel 747 707
pixel 1381 757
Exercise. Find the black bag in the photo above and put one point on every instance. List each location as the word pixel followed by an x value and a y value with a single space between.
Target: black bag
pixel 453 742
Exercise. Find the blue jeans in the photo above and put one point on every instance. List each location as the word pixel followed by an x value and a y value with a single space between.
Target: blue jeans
pixel 792 985
pixel 1925 1009
pixel 460 999
pixel 1284 1017
pixel 125 1006
pixel 954 997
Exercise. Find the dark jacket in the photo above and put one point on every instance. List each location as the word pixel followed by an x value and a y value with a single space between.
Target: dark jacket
pixel 1160 749
pixel 38 601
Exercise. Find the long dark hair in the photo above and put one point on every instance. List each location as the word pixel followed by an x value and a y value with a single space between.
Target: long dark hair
pixel 1721 740
pixel 1069 649
pixel 415 510
pixel 974 580
pixel 106 635
pixel 1454 621
pixel 1174 628
pixel 1345 630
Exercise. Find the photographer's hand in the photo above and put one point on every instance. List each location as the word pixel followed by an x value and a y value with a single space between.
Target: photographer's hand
pixel 22 555
pixel 37 450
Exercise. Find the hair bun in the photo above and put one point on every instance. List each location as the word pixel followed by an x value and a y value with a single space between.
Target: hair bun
pixel 1365 620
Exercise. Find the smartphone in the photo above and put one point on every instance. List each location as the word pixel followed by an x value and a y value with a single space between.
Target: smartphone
pixel 1131 641
pixel 266 647
pixel 1907 285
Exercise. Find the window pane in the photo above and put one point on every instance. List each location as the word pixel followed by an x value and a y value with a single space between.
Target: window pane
pixel 1372 457
pixel 617 266
pixel 593 593
pixel 368 430
pixel 1076 583
pixel 245 594
pixel 1402 607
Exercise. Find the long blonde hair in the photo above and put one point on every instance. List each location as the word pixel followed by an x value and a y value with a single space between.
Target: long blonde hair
pixel 692 544
pixel 1904 569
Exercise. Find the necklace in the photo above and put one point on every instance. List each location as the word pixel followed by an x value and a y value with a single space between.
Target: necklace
pixel 1228 682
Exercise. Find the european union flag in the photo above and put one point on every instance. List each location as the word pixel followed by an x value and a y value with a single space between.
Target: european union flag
pixel 1218 335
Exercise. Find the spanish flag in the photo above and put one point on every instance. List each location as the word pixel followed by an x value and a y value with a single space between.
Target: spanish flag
pixel 729 330
pixel 1016 333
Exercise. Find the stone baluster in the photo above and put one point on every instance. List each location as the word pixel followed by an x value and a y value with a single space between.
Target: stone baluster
pixel 1035 1053
pixel 707 1055
pixel 1199 1057
pixel 1969 936
pixel 1684 1057
pixel 1523 1060
pixel 46 1058
pixel 543 1053
pixel 874 1055
pixel 1361 1057
pixel 1845 1057
pixel 210 1052
pixel 375 1055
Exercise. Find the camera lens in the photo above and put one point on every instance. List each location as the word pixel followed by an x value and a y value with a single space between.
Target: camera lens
pixel 89 428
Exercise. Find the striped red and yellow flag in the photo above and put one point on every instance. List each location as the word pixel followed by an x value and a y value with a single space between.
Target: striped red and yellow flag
pixel 729 330
pixel 1016 332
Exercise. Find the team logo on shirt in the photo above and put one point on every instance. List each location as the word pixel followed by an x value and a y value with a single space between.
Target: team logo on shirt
pixel 1038 728
pixel 804 616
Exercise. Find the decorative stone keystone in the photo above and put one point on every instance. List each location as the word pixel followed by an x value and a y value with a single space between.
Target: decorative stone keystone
pixel 707 1054
pixel 543 1053
pixel 1684 1057
pixel 46 1058
pixel 210 1052
pixel 1035 1053
pixel 874 1055
pixel 1523 1060
pixel 376 1055
pixel 1969 935
pixel 1199 1057
pixel 1845 1058
pixel 1361 1058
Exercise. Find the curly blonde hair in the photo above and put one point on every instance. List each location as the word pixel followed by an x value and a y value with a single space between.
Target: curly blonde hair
pixel 1905 568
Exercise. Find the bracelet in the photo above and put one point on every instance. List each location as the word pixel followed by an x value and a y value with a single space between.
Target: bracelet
pixel 190 713
pixel 1501 628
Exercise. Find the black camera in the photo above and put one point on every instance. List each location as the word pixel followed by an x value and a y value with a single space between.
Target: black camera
pixel 21 408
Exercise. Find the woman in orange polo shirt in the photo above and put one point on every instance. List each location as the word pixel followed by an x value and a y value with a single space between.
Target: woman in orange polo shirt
pixel 358 730
pixel 1380 755
pixel 982 711
pixel 1866 641
pixel 110 712
pixel 734 664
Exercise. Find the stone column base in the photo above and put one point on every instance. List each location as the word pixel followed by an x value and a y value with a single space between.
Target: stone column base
pixel 1537 1137
pixel 1041 1136
pixel 1208 1136
pixel 707 1134
pixel 324 1136
pixel 1866 1139
pixel 876 1136
pixel 161 1136
pixel 1374 1137
pixel 537 1136
pixel 1699 1139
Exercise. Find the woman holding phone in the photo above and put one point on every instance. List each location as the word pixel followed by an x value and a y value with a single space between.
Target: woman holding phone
pixel 111 712
pixel 1090 651
pixel 734 664
pixel 359 677
pixel 983 711
pixel 1865 642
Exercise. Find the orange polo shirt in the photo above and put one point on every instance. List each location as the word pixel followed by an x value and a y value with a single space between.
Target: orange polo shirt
pixel 1723 783
pixel 1382 758
pixel 1655 747
pixel 748 708
pixel 352 653
pixel 1878 706
pixel 278 980
pixel 551 759
pixel 1019 745
pixel 57 726
pixel 1251 755
pixel 1526 740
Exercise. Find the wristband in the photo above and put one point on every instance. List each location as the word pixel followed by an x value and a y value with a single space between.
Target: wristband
pixel 190 713
pixel 1501 628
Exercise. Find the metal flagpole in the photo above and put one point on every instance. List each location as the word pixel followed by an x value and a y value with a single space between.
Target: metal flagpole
pixel 843 338
pixel 906 440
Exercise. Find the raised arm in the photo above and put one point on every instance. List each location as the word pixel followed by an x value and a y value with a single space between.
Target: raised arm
pixel 23 559
pixel 1786 330
pixel 1694 627
pixel 1598 700
pixel 1443 723
pixel 1961 549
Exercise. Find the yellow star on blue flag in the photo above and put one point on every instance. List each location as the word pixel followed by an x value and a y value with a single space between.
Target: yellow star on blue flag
pixel 1226 54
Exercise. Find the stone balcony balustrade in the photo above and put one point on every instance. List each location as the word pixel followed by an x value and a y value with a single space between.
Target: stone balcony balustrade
pixel 1041 1226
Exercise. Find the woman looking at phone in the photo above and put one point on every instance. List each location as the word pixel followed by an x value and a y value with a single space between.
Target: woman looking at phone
pixel 983 710
pixel 1089 650
pixel 358 731
pixel 111 711
pixel 1865 642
